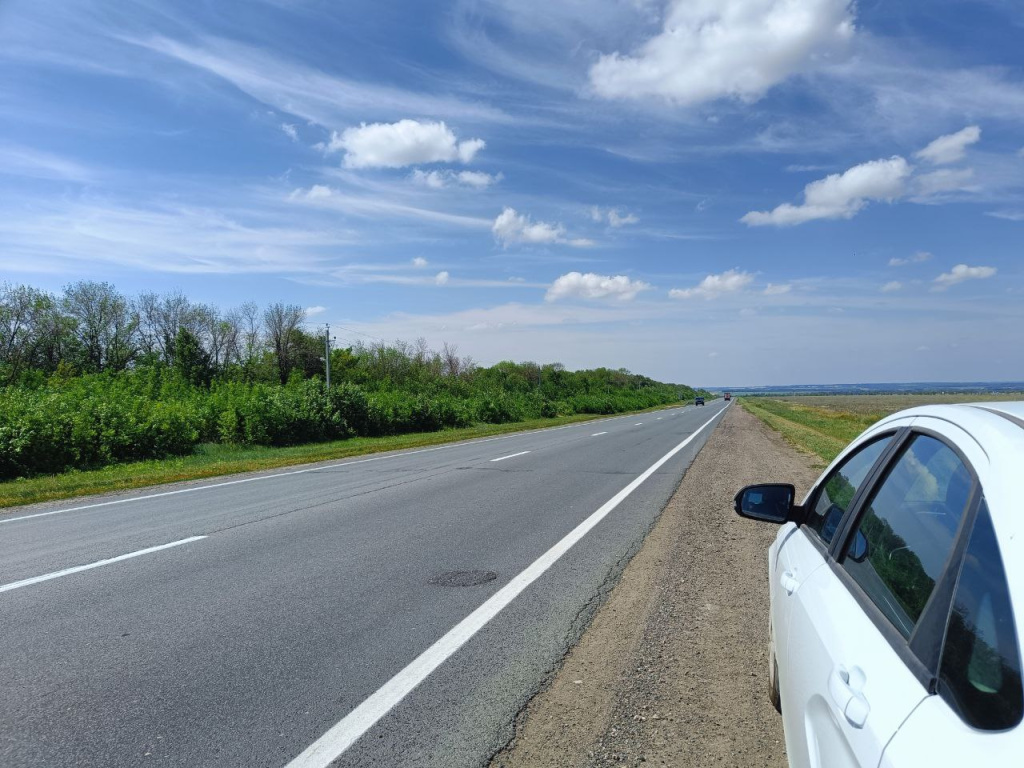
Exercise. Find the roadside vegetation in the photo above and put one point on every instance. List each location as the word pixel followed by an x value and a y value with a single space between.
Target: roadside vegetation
pixel 95 380
pixel 824 424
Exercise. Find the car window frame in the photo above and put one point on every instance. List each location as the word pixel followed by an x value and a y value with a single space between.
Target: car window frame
pixel 827 550
pixel 922 651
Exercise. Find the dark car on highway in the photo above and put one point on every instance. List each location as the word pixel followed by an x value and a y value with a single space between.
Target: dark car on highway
pixel 698 401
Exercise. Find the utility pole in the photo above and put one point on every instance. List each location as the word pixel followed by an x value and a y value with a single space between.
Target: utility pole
pixel 327 354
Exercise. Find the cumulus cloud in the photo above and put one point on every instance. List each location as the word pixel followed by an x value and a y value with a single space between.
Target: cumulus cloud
pixel 290 131
pixel 591 286
pixel 773 289
pixel 950 148
pixel 612 217
pixel 419 262
pixel 708 49
pixel 894 285
pixel 960 273
pixel 448 178
pixel 713 286
pixel 512 227
pixel 397 145
pixel 840 195
pixel 916 258
pixel 313 311
pixel 441 278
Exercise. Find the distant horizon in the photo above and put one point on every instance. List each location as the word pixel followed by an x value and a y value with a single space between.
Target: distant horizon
pixel 1010 385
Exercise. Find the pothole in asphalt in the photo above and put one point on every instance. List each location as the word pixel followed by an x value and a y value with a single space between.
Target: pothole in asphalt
pixel 463 578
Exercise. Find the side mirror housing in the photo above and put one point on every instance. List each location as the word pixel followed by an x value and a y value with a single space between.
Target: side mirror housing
pixel 767 502
pixel 858 551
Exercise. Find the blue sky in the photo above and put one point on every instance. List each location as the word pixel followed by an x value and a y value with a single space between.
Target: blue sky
pixel 704 191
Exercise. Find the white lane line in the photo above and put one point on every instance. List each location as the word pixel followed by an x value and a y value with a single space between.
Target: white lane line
pixel 303 471
pixel 598 434
pixel 329 747
pixel 638 424
pixel 510 456
pixel 97 564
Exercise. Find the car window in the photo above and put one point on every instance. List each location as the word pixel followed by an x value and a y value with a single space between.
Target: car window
pixel 907 529
pixel 840 487
pixel 979 675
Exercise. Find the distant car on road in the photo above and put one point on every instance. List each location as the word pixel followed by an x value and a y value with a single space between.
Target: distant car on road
pixel 698 401
pixel 894 589
pixel 728 396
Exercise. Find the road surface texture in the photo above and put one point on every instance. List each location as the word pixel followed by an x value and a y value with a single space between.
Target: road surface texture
pixel 673 669
pixel 394 610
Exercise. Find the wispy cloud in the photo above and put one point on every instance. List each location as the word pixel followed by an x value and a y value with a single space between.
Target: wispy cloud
pixel 511 227
pixel 713 286
pixel 960 273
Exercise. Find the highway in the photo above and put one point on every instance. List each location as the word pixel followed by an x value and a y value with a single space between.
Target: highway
pixel 391 610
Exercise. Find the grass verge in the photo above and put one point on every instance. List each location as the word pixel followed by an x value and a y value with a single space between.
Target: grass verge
pixel 214 460
pixel 818 431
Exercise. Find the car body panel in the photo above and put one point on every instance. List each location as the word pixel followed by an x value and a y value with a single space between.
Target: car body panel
pixel 819 628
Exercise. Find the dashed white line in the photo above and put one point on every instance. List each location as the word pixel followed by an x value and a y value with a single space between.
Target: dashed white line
pixel 329 747
pixel 598 434
pixel 510 456
pixel 638 424
pixel 97 564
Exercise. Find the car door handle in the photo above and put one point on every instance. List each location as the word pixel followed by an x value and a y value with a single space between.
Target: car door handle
pixel 789 582
pixel 846 689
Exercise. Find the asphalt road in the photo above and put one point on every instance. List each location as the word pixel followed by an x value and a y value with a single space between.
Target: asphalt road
pixel 293 599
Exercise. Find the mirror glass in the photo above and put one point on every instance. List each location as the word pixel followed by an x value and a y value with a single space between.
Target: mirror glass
pixel 771 503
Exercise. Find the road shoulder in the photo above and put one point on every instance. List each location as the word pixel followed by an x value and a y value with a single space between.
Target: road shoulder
pixel 672 669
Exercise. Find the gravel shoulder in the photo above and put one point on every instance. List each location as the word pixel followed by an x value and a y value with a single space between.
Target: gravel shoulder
pixel 673 668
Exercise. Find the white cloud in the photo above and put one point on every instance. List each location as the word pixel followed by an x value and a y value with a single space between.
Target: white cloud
pixel 478 179
pixel 447 178
pixel 441 278
pixel 950 148
pixel 512 227
pixel 591 286
pixel 419 262
pixel 290 131
pixel 708 49
pixel 773 289
pixel 962 272
pixel 318 192
pixel 840 196
pixel 396 145
pixel 713 286
pixel 313 311
pixel 916 258
pixel 612 217
pixel 894 285
pixel 1007 215
pixel 942 180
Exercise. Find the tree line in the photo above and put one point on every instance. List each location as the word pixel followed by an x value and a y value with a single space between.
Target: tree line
pixel 91 377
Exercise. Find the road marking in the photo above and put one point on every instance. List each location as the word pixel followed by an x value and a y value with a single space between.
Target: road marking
pixel 303 471
pixel 97 564
pixel 638 424
pixel 329 747
pixel 598 434
pixel 510 456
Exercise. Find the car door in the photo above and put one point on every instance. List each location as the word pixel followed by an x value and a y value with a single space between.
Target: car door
pixel 854 677
pixel 800 551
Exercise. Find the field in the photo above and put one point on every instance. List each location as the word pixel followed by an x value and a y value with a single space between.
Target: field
pixel 824 424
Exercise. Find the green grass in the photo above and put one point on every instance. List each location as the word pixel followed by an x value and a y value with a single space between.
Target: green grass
pixel 213 460
pixel 825 424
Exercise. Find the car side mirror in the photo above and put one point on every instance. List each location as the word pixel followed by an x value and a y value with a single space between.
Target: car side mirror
pixel 770 503
pixel 858 551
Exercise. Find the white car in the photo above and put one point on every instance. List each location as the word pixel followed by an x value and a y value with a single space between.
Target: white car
pixel 894 588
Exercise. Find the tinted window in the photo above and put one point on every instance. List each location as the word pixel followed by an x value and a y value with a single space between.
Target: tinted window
pixel 980 671
pixel 906 532
pixel 840 487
